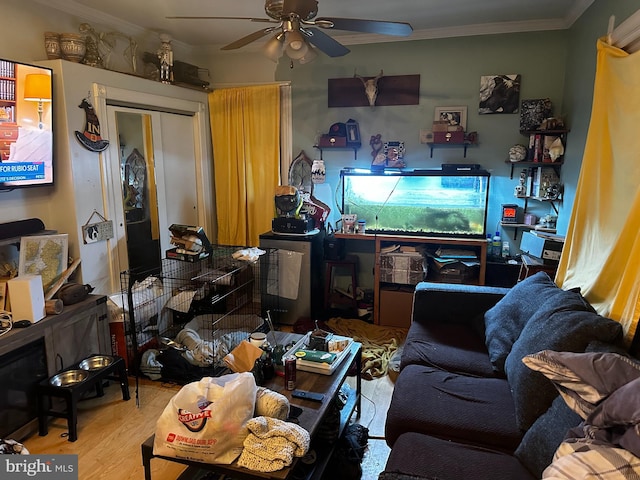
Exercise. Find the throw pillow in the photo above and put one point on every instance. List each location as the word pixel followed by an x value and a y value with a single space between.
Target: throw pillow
pixel 544 437
pixel 504 322
pixel 584 379
pixel 563 322
pixel 617 418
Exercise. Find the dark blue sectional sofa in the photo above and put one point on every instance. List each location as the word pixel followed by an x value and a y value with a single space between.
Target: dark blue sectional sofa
pixel 464 405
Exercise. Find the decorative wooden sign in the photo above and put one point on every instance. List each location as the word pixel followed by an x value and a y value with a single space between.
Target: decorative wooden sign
pixel 392 90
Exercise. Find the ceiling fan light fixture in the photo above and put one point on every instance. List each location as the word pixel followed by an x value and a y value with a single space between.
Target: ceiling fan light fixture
pixel 308 57
pixel 274 48
pixel 295 40
pixel 297 53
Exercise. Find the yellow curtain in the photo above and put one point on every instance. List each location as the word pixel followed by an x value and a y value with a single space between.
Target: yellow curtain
pixel 245 131
pixel 602 249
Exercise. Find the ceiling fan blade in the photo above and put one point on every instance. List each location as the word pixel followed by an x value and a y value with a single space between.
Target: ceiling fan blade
pixel 248 39
pixel 400 29
pixel 305 9
pixel 267 20
pixel 325 43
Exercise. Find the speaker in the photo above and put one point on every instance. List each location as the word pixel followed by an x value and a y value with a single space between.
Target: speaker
pixel 26 295
pixel 21 228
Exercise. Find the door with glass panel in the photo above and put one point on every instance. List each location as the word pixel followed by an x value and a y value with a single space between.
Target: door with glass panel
pixel 155 180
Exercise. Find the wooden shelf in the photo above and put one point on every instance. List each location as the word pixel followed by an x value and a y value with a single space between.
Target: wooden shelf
pixel 464 145
pixel 355 150
pixel 525 226
pixel 555 165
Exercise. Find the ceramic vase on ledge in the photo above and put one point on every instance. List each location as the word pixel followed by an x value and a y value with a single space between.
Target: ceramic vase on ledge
pixel 318 171
pixel 73 46
pixel 52 45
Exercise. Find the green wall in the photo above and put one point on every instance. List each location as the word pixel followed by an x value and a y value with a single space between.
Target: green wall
pixel 450 71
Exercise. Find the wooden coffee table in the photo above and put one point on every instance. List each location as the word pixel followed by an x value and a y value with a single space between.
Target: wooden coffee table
pixel 310 419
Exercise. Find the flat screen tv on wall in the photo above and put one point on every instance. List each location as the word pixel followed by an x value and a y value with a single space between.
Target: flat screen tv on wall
pixel 26 125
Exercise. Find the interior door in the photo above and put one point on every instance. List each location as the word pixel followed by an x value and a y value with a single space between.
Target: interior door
pixel 179 170
pixel 153 176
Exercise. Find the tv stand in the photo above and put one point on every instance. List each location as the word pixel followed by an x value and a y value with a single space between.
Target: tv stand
pixel 381 241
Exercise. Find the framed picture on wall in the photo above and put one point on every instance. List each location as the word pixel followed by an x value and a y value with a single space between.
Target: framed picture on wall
pixel 44 255
pixel 454 116
pixel 499 94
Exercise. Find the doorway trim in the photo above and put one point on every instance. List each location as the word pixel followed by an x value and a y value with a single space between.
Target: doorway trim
pixel 104 95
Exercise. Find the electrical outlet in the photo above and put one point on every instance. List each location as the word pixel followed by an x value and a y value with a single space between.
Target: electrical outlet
pixel 426 136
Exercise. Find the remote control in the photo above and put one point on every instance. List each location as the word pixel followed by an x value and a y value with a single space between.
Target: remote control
pixel 316 397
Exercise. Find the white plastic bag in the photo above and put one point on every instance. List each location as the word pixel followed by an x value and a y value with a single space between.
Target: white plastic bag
pixel 206 420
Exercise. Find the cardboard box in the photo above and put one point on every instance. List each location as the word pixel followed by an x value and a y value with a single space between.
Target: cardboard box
pixel 543 246
pixel 402 268
pixel 396 307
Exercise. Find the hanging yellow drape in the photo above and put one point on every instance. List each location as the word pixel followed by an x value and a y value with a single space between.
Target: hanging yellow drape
pixel 245 131
pixel 602 249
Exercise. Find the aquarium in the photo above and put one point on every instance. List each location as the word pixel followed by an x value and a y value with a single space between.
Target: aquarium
pixel 418 202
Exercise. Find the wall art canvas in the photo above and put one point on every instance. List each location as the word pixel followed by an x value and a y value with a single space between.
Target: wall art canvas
pixel 533 112
pixel 499 94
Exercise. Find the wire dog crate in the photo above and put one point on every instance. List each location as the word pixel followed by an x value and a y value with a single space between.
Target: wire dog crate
pixel 191 314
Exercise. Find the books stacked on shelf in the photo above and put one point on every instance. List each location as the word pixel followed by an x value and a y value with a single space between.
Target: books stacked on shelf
pixel 453 265
pixel 7 69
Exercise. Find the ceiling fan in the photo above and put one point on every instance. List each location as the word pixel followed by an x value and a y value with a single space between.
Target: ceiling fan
pixel 297 33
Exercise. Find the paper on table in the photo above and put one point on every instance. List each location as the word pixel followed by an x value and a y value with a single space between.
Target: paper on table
pixel 243 357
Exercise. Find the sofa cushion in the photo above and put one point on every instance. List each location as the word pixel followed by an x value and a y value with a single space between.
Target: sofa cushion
pixel 504 322
pixel 462 408
pixel 584 379
pixel 545 436
pixel 421 456
pixel 564 322
pixel 452 347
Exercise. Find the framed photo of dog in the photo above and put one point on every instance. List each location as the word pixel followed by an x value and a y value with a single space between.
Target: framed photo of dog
pixel 455 117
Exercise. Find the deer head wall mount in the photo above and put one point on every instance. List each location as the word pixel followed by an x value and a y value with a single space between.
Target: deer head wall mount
pixel 370 87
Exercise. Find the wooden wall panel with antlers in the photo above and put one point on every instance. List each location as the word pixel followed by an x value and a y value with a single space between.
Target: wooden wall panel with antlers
pixel 392 90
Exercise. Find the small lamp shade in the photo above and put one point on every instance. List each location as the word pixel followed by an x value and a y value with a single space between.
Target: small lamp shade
pixel 37 87
pixel 274 47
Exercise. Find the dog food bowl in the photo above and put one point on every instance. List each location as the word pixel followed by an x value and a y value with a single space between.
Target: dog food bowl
pixel 96 362
pixel 68 378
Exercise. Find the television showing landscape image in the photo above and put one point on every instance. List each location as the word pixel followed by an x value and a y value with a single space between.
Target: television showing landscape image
pixel 418 202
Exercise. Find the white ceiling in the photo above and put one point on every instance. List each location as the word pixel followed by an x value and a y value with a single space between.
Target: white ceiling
pixel 429 18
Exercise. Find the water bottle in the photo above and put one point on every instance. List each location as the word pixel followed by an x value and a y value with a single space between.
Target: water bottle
pixel 489 246
pixel 496 245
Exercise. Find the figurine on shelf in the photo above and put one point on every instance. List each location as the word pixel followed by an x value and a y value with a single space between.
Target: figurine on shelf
pixel 165 54
pixel 376 145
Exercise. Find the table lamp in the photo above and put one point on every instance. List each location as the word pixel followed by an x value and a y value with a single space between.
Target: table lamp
pixel 37 88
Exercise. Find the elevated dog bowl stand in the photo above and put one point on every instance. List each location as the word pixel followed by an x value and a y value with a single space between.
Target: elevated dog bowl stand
pixel 71 394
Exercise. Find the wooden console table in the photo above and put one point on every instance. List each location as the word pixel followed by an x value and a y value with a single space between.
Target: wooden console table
pixel 479 244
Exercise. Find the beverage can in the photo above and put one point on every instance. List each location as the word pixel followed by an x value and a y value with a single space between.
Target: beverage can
pixel 290 372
